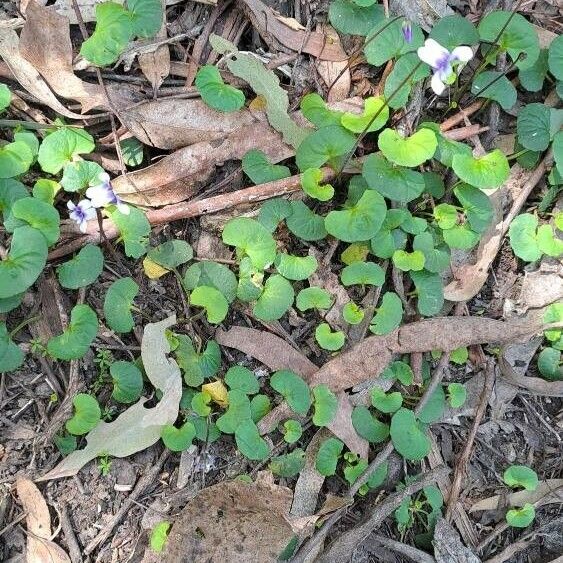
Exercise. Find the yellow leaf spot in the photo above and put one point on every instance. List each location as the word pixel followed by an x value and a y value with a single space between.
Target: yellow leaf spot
pixel 218 392
pixel 258 104
pixel 153 270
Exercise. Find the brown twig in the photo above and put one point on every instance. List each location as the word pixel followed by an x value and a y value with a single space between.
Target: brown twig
pixel 70 537
pixel 454 120
pixel 404 549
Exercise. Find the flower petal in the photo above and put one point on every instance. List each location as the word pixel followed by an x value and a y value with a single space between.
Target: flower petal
pixel 463 54
pixel 432 53
pixel 437 85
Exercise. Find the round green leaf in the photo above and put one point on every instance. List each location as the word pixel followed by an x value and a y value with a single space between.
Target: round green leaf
pixel 327 339
pixel 305 224
pixel 461 236
pixel 386 41
pixel 348 17
pixel 314 108
pixel 24 263
pixel 397 184
pixel 408 151
pixel 521 476
pixel 249 441
pixel 241 378
pixel 260 406
pixel 146 17
pixel 15 159
pixel 453 31
pixel 215 93
pixel 533 126
pixel 407 261
pixel 485 172
pixel 457 394
pixel 171 254
pixel 362 273
pixel 522 233
pixel 389 314
pixel 249 287
pixel 549 364
pixel 212 300
pixel 178 439
pixel 288 465
pixel 292 431
pixel 80 175
pixel 238 411
pixel 10 303
pixel 11 357
pixel 532 79
pixel 373 106
pixel 408 436
pixel 367 426
pixel 5 97
pixel 327 456
pixel 214 275
pixel 118 303
pixel 325 405
pixel 200 404
pixel 10 191
pixel 252 239
pixel 323 145
pixel 127 382
pixel 555 57
pixel 434 408
pixel 273 212
pixel 386 402
pixel 521 517
pixel 407 71
pixel 293 389
pixel 75 341
pixel 313 298
pixel 159 535
pixel 257 167
pixel 548 242
pixel 435 259
pixel 352 314
pixel 275 300
pixel 311 183
pixel 295 267
pixel 83 269
pixel 133 152
pixel 495 86
pixel 477 206
pixel 39 215
pixel 196 367
pixel 430 292
pixel 399 370
pixel 87 415
pixel 63 146
pixel 134 230
pixel 448 148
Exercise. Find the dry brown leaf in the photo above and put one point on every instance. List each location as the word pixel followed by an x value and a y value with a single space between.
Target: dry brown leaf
pixel 38 521
pixel 548 491
pixel 156 65
pixel 542 286
pixel 26 74
pixel 329 71
pixel 232 522
pixel 45 43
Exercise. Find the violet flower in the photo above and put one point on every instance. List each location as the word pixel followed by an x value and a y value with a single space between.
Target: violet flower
pixel 443 62
pixel 407 31
pixel 81 213
pixel 103 195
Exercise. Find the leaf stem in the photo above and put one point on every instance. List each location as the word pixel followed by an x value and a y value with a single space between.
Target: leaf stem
pixel 23 324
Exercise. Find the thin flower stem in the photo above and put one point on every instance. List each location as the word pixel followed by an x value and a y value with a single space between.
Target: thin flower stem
pixel 23 324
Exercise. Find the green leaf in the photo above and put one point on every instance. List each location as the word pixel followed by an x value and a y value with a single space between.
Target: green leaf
pixel 293 389
pixel 276 298
pixel 257 167
pixel 395 183
pixel 305 224
pixel 292 431
pixel 5 97
pixel 288 465
pixel 133 152
pixel 399 370
pixel 87 415
pixel 314 108
pixel 363 273
pixel 352 314
pixel 532 79
pixel 178 439
pixel 171 254
pixel 252 239
pixel 521 517
pixel 355 252
pixel 212 300
pixel 311 183
pixel 549 364
pixel 273 212
pixel 313 298
pixel 325 404
pixel 386 41
pixel 29 138
pixel 453 31
pixel 389 314
pixel 348 17
pixel 448 148
pixel 435 259
pixel 63 146
pixel 146 17
pixel 516 36
pixel 24 263
pixel 10 191
pixel 159 535
pixel 39 215
pixel 522 233
pixel 408 151
pixel 114 29
pixel 434 184
pixel 521 476
pixel 377 478
pixel 15 159
pixel 367 426
pixel 241 378
pixel 46 190
pixel 80 175
pixel 372 106
pixel 477 206
pixel 555 58
pixel 239 410
pixel 434 408
pixel 11 357
pixel 359 222
pixel 407 71
pixel 249 286
pixel 259 407
pixel 65 444
pixel 408 436
pixel 249 441
pixel 533 126
pixel 295 267
pixel 10 303
pixel 197 367
pixel 407 261
pixel 430 292
pixel 75 341
pixel 558 155
pixel 200 404
pixel 134 230
pixel 127 382
pixel 386 402
pixel 354 470
pixel 493 85
pixel 460 236
pixel 118 303
pixel 323 145
pixel 485 172
pixel 327 456
pixel 214 275
pixel 82 270
pixel 327 339
pixel 457 394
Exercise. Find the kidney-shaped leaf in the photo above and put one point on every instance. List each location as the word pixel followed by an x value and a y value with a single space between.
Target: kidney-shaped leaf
pixel 178 439
pixel 83 269
pixel 63 146
pixel 325 405
pixel 328 455
pixel 295 267
pixel 486 172
pixel 389 314
pixel 127 382
pixel 367 426
pixel 408 151
pixel 252 239
pixel 408 436
pixel 521 476
pixel 276 298
pixel 363 273
pixel 11 357
pixel 87 414
pixel 249 441
pixel 118 303
pixel 293 389
pixel 75 341
pixel 212 300
pixel 329 339
pixel 215 93
pixel 39 215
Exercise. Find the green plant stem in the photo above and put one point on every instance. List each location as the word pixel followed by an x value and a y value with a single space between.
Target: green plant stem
pixel 23 324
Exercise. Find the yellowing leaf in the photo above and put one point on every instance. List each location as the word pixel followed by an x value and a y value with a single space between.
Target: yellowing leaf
pixel 218 392
pixel 259 103
pixel 153 270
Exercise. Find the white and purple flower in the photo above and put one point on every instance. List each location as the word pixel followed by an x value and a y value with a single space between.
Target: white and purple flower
pixel 446 65
pixel 81 213
pixel 103 195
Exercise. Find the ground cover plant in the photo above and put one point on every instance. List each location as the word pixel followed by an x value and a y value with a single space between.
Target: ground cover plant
pixel 358 268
